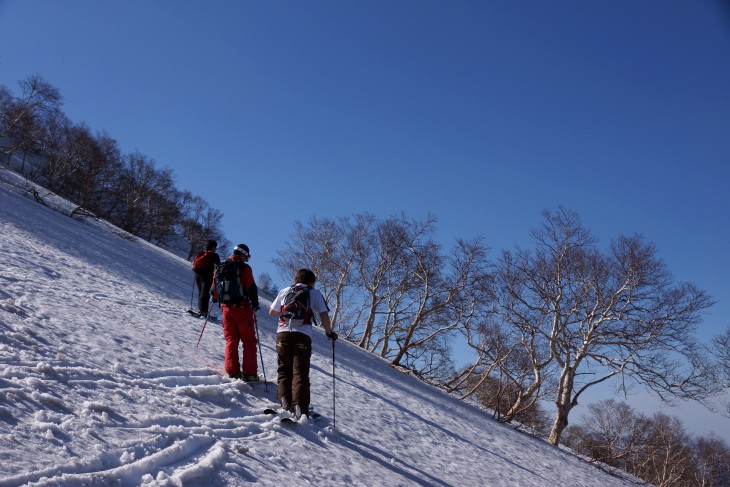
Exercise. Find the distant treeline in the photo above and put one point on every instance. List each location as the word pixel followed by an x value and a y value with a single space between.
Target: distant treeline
pixel 655 448
pixel 38 140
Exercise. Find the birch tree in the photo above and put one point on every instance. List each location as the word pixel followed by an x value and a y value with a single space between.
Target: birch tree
pixel 585 316
pixel 328 247
pixel 391 288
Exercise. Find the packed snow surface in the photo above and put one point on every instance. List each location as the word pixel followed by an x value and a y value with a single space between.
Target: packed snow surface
pixel 101 383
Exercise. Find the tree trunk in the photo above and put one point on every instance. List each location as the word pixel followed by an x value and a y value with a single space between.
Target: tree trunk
pixel 564 402
pixel 524 400
pixel 365 340
pixel 560 423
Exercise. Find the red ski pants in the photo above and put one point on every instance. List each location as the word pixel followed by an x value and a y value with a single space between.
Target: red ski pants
pixel 238 326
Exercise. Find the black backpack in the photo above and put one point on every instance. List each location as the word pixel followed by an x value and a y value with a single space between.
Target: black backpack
pixel 295 307
pixel 228 282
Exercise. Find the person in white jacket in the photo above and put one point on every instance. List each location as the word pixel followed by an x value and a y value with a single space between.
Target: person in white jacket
pixel 298 307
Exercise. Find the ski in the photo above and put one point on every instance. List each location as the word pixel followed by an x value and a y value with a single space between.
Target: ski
pixel 248 382
pixel 286 417
pixel 195 314
pixel 314 417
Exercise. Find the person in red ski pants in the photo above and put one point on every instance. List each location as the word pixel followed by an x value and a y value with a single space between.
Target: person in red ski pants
pixel 240 302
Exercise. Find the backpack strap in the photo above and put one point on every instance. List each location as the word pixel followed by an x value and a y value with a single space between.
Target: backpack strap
pixel 312 314
pixel 309 305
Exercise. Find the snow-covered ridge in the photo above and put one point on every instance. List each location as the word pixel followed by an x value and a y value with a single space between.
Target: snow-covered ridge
pixel 101 384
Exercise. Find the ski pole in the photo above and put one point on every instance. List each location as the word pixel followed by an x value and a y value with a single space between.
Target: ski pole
pixel 334 411
pixel 256 324
pixel 192 293
pixel 204 324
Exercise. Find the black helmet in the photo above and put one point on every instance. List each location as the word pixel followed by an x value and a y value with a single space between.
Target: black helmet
pixel 242 249
pixel 211 245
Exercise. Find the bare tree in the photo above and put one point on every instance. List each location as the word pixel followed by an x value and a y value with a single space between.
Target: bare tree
pixel 190 224
pixel 266 285
pixel 394 259
pixel 57 154
pixel 7 111
pixel 22 120
pixel 102 176
pixel 712 461
pixel 445 294
pixel 379 265
pixel 721 350
pixel 656 449
pixel 98 164
pixel 328 247
pixel 163 208
pixel 594 315
pixel 393 291
pixel 200 222
pixel 6 102
pixel 136 186
pixel 512 357
pixel 80 166
pixel 498 394
pixel 668 458
pixel 611 433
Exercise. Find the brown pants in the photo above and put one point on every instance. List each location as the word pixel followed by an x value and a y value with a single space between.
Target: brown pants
pixel 294 351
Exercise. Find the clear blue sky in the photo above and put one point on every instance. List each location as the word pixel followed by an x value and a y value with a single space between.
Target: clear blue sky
pixel 483 113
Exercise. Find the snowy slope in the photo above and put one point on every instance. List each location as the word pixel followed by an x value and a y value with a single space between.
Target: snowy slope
pixel 101 384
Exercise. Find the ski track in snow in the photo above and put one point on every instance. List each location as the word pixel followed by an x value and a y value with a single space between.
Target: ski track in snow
pixel 186 423
pixel 101 384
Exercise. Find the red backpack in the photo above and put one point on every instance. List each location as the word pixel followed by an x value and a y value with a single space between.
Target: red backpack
pixel 202 261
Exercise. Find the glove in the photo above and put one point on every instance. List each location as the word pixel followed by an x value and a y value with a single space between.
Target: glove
pixel 332 336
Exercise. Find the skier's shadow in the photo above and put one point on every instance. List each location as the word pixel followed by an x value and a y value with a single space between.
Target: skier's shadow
pixel 441 428
pixel 373 453
pixel 406 411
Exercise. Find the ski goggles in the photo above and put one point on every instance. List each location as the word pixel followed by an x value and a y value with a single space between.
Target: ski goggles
pixel 242 251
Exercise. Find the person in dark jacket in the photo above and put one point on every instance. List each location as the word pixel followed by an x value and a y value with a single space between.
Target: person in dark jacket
pixel 204 267
pixel 238 320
